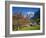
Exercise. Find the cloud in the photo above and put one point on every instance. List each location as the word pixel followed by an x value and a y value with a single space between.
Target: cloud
pixel 30 14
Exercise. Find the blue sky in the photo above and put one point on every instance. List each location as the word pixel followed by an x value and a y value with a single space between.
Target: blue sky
pixel 24 10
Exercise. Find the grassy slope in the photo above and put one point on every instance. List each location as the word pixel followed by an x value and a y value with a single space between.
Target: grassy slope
pixel 36 27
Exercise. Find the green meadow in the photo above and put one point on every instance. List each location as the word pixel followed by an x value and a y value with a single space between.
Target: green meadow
pixel 36 27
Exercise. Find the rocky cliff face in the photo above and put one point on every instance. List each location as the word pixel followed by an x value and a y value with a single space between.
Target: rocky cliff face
pixel 19 19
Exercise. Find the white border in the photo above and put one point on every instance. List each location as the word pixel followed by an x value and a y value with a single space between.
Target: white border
pixel 31 31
